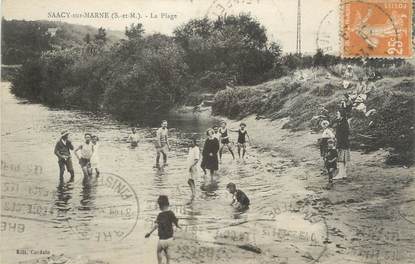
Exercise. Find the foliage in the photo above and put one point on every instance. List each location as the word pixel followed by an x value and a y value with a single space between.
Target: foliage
pixel 23 40
pixel 236 46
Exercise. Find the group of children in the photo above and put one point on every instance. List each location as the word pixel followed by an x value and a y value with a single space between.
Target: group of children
pixel 334 148
pixel 88 158
pixel 217 139
pixel 166 219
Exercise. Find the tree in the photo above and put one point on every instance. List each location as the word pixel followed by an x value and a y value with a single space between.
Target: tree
pixel 234 45
pixel 135 31
pixel 101 36
pixel 87 38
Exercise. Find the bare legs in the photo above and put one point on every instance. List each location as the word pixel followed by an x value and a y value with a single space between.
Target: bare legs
pixel 158 157
pixel 160 251
pixel 243 147
pixel 229 148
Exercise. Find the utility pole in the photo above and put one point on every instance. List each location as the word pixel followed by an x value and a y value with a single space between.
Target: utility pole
pixel 298 44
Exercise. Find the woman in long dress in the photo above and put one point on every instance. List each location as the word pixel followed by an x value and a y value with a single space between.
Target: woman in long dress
pixel 210 153
pixel 343 144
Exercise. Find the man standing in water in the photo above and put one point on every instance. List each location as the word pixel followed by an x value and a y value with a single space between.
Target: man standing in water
pixel 87 149
pixel 63 151
pixel 162 143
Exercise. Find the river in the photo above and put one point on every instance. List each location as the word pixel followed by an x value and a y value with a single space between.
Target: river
pixel 92 221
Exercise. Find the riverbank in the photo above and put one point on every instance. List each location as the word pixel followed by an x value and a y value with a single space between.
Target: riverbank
pixel 370 215
pixel 292 219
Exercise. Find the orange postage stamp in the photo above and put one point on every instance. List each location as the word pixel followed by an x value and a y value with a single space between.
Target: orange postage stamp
pixel 376 28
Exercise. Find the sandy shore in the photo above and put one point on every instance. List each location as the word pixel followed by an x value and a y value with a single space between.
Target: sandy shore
pixel 370 216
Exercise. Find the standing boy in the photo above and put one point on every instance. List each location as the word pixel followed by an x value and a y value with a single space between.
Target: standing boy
pixel 242 136
pixel 162 143
pixel 134 137
pixel 164 224
pixel 330 160
pixel 192 160
pixel 224 140
pixel 87 150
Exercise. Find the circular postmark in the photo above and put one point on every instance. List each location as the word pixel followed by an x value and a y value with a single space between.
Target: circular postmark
pixel 296 230
pixel 326 37
pixel 108 209
pixel 407 212
pixel 104 208
pixel 221 8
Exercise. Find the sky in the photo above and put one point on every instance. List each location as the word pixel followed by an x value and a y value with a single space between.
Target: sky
pixel 319 17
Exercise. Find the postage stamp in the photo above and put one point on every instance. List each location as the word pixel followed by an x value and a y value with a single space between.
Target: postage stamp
pixel 376 28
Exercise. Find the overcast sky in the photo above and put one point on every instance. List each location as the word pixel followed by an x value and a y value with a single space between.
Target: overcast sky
pixel 319 17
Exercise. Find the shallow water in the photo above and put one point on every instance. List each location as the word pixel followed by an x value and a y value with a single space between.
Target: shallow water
pixel 106 218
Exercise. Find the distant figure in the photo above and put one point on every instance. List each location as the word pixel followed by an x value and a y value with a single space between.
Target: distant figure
pixel 87 150
pixel 330 160
pixel 327 135
pixel 224 140
pixel 210 154
pixel 192 160
pixel 63 151
pixel 164 224
pixel 162 143
pixel 343 144
pixel 240 200
pixel 134 137
pixel 95 155
pixel 242 136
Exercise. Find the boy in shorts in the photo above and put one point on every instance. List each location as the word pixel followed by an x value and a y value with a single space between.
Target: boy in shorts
pixel 164 224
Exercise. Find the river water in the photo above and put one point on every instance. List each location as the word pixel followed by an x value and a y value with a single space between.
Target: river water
pixel 104 219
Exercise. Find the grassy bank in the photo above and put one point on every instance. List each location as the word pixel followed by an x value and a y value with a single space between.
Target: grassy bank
pixel 301 95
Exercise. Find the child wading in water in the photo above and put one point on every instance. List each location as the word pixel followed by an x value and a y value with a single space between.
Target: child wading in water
pixel 330 161
pixel 242 135
pixel 193 159
pixel 224 140
pixel 164 224
pixel 240 200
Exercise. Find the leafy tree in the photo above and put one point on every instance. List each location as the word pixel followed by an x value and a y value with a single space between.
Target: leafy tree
pixel 135 31
pixel 101 36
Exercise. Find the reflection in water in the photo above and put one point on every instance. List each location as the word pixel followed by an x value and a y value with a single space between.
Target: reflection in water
pixel 64 193
pixel 88 193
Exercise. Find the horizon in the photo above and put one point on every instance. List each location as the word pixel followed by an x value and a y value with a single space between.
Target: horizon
pixel 318 29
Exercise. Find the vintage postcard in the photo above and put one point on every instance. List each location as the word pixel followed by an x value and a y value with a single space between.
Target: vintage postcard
pixel 207 131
